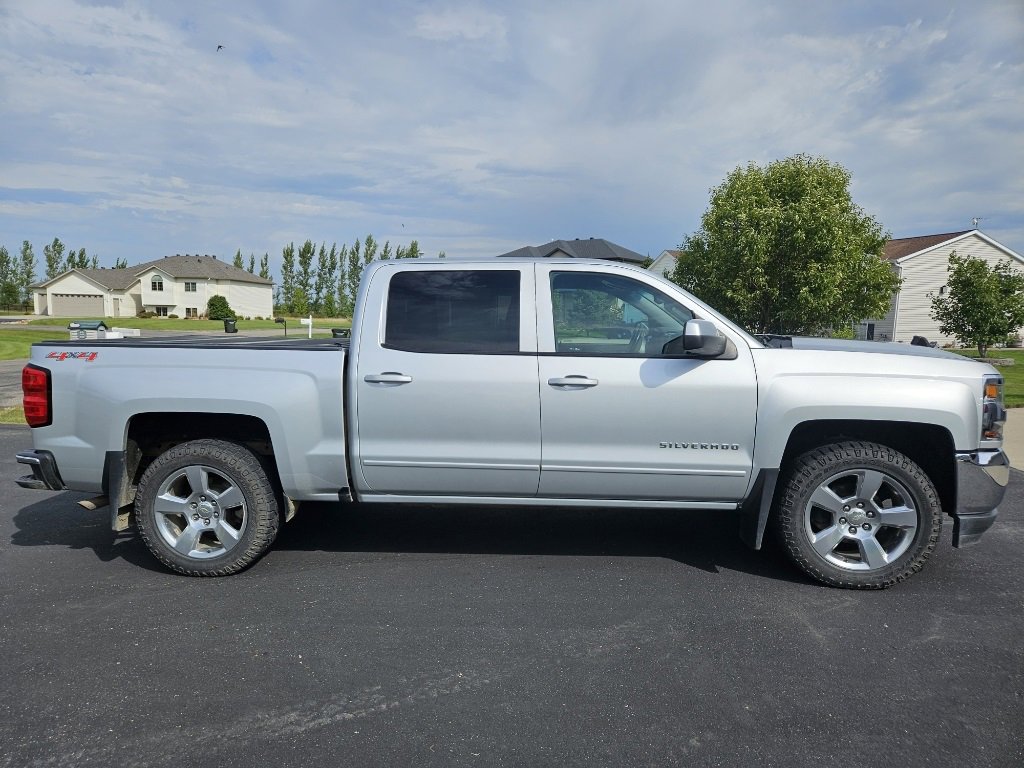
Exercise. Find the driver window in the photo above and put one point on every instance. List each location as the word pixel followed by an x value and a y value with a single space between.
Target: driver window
pixel 597 314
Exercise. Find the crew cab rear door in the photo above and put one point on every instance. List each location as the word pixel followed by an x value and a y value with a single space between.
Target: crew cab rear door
pixel 619 418
pixel 445 381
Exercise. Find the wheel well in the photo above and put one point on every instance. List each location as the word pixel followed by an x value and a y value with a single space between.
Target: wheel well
pixel 928 445
pixel 150 434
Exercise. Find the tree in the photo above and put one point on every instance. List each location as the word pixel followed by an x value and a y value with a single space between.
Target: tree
pixel 238 259
pixel 79 260
pixel 26 271
pixel 252 264
pixel 287 277
pixel 304 278
pixel 983 304
pixel 413 251
pixel 120 263
pixel 385 252
pixel 784 249
pixel 353 273
pixel 10 293
pixel 265 266
pixel 94 262
pixel 54 255
pixel 217 308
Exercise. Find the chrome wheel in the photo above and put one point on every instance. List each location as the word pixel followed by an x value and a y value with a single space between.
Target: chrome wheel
pixel 200 512
pixel 860 520
pixel 857 514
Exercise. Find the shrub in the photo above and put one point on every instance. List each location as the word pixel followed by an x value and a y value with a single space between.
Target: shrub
pixel 172 317
pixel 217 308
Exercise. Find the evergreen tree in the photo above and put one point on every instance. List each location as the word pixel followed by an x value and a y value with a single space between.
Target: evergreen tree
pixel 76 260
pixel 265 266
pixel 320 285
pixel 121 263
pixel 217 308
pixel 413 251
pixel 342 303
pixel 54 255
pixel 238 259
pixel 94 262
pixel 400 252
pixel 385 252
pixel 252 264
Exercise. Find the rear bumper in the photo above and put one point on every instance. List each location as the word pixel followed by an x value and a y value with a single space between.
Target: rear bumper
pixel 45 476
pixel 981 479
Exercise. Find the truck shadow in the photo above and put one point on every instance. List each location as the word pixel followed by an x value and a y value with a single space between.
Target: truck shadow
pixel 703 539
pixel 58 521
pixel 707 540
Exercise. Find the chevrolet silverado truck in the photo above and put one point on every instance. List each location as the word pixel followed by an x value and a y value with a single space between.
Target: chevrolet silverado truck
pixel 526 382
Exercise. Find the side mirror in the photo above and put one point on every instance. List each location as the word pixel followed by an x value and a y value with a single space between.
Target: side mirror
pixel 700 339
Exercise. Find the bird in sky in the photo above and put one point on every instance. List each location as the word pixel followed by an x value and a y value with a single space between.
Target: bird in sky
pixel 219 47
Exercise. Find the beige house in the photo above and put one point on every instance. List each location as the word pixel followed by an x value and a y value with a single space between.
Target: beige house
pixel 174 285
pixel 923 265
pixel 665 264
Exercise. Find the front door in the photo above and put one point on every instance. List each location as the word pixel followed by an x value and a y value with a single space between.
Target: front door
pixel 619 419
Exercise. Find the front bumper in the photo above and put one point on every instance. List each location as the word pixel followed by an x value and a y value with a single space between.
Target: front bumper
pixel 981 478
pixel 45 476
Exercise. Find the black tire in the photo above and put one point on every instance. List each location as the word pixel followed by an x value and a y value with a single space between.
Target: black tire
pixel 858 515
pixel 207 508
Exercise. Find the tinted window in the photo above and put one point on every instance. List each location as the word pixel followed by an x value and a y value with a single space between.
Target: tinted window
pixel 601 314
pixel 453 311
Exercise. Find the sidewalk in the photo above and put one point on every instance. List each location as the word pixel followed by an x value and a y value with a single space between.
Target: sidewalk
pixel 1013 437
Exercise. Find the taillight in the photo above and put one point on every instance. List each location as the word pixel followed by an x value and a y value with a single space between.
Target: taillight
pixel 35 388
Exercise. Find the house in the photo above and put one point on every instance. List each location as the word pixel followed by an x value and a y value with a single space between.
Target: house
pixel 923 265
pixel 665 264
pixel 174 285
pixel 589 248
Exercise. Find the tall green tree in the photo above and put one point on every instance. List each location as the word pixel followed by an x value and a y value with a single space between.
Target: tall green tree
pixel 369 249
pixel 120 263
pixel 353 273
pixel 983 304
pixel 54 256
pixel 287 288
pixel 304 277
pixel 784 249
pixel 265 266
pixel 238 259
pixel 94 262
pixel 413 251
pixel 342 302
pixel 10 292
pixel 251 269
pixel 26 271
pixel 76 260
pixel 385 252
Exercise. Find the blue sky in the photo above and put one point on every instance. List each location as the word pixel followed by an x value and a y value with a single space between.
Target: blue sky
pixel 477 128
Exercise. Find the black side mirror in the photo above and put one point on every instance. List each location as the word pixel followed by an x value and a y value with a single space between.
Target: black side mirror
pixel 700 339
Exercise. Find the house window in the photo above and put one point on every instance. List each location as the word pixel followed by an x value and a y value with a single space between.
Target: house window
pixel 157 284
pixel 190 287
pixel 191 311
pixel 942 291
pixel 160 311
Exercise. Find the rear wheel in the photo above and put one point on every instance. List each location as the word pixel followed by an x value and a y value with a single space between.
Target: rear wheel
pixel 207 508
pixel 858 515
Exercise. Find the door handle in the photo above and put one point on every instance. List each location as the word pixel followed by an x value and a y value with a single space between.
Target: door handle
pixel 574 380
pixel 388 377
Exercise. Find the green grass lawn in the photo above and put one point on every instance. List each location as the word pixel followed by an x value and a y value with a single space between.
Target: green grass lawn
pixel 1013 375
pixel 180 324
pixel 13 414
pixel 15 343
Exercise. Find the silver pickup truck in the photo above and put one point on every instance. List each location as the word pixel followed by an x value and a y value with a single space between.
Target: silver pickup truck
pixel 534 382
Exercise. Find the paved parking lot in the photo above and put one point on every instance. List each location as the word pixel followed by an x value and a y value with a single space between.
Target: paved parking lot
pixel 437 637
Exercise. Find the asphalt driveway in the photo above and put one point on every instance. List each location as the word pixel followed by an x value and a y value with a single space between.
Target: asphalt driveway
pixel 384 636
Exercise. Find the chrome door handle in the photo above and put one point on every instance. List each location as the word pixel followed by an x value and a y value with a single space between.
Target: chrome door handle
pixel 574 380
pixel 388 377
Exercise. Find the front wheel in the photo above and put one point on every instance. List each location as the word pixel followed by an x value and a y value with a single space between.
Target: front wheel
pixel 207 508
pixel 858 515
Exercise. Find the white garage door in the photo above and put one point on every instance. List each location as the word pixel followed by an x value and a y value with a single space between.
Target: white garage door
pixel 76 305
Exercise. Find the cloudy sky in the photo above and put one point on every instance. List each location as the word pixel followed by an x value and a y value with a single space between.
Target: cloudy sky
pixel 478 127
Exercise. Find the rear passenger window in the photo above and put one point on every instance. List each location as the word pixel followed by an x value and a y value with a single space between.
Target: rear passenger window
pixel 453 311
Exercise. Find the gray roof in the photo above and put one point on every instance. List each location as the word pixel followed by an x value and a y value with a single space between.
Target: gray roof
pixel 199 267
pixel 591 248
